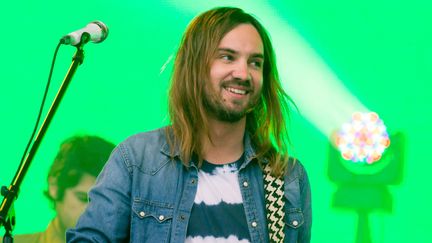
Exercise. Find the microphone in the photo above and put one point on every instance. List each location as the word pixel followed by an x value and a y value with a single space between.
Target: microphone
pixel 95 31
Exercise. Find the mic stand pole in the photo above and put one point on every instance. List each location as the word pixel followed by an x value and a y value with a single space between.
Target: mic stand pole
pixel 10 194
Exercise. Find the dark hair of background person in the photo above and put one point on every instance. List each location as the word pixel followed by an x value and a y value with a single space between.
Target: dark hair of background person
pixel 78 155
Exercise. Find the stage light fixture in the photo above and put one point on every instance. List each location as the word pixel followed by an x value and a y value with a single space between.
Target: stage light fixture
pixel 362 164
pixel 363 139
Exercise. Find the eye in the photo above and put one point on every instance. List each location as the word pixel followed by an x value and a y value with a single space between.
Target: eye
pixel 256 64
pixel 82 196
pixel 226 57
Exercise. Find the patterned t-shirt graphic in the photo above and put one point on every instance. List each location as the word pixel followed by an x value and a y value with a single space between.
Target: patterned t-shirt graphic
pixel 218 214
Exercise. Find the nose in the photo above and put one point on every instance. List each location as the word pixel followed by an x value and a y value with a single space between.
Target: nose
pixel 241 71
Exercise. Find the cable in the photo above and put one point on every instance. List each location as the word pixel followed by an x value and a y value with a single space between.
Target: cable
pixel 42 103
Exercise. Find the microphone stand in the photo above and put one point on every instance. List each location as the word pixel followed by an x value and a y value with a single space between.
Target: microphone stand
pixel 10 194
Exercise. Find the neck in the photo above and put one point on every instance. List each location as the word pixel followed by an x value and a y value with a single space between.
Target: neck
pixel 225 142
pixel 59 228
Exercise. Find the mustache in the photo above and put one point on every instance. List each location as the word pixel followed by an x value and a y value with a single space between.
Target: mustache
pixel 237 82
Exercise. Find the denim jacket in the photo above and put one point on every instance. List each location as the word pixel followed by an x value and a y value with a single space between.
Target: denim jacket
pixel 142 195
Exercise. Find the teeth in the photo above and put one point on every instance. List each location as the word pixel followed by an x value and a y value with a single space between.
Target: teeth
pixel 236 91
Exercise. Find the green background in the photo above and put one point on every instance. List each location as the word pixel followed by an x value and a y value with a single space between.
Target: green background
pixel 378 52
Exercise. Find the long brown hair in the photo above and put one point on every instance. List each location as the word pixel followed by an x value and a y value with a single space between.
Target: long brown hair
pixel 266 124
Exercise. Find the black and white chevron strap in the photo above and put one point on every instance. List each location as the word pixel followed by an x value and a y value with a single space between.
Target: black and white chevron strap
pixel 274 194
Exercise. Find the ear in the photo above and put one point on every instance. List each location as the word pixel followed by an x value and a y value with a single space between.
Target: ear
pixel 52 187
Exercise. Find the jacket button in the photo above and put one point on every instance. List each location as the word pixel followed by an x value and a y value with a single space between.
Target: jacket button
pixel 245 184
pixel 161 217
pixel 193 181
pixel 254 224
pixel 295 222
pixel 142 213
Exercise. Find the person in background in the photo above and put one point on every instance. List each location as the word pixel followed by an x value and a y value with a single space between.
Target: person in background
pixel 206 177
pixel 72 174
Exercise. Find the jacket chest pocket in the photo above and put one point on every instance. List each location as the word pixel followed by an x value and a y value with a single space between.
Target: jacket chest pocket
pixel 151 221
pixel 294 218
pixel 293 222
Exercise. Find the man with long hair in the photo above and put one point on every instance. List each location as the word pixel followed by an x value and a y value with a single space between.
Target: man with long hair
pixel 205 177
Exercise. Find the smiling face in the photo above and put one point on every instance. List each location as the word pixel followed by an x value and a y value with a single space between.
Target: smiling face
pixel 236 75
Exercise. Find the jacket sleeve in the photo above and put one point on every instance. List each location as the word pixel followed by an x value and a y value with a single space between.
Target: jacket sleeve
pixel 107 217
pixel 305 193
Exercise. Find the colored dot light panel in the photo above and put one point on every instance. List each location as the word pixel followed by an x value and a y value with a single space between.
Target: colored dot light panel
pixel 363 139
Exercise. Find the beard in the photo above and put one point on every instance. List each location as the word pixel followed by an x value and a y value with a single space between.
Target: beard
pixel 215 106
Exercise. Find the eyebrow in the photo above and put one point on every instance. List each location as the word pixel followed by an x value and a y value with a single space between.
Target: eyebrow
pixel 229 50
pixel 80 193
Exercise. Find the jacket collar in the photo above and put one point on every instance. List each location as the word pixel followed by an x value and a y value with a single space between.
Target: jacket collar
pixel 165 146
pixel 249 150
